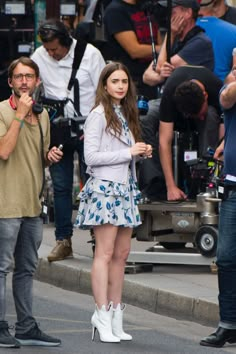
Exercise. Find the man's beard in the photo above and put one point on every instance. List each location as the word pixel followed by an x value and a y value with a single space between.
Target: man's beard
pixel 18 94
pixel 15 93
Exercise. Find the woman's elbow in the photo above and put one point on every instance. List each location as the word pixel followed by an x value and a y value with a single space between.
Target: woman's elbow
pixel 89 159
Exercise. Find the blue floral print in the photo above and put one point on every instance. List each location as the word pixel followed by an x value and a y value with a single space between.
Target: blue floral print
pixel 103 202
pixel 108 202
pixel 125 128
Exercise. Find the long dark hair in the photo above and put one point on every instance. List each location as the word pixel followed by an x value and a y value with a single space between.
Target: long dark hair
pixel 129 105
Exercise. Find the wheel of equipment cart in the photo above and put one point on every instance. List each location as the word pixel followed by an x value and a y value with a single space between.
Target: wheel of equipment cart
pixel 206 240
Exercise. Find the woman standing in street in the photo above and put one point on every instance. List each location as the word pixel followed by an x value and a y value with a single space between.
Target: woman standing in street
pixel 108 201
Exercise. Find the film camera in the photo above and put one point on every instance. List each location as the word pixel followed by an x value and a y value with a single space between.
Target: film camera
pixel 206 172
pixel 153 7
pixel 63 125
pixel 148 5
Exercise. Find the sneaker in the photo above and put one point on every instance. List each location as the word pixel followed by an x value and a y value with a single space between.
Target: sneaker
pixel 36 337
pixel 6 339
pixel 62 250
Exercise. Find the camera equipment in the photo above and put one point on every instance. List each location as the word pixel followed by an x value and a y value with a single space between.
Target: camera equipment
pixel 63 126
pixel 77 125
pixel 65 117
pixel 206 172
pixel 154 53
pixel 55 108
pixel 153 7
pixel 148 7
pixel 163 17
pixel 37 108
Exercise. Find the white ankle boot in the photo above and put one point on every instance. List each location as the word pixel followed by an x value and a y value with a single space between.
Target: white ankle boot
pixel 101 321
pixel 117 323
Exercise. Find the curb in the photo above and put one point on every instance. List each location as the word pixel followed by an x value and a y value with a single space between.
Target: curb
pixel 154 300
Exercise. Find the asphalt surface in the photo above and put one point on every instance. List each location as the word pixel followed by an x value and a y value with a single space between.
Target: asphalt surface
pixel 176 290
pixel 66 315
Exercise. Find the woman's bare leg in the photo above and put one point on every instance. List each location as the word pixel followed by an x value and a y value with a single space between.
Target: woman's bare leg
pixel 117 264
pixel 105 236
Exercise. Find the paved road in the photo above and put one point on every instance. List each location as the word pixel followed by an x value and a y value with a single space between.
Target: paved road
pixel 66 315
pixel 169 289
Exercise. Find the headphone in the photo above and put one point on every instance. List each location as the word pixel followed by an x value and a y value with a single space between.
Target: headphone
pixel 50 31
pixel 37 108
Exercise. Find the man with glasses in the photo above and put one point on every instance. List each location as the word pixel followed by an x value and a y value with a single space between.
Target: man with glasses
pixel 24 149
pixel 55 58
pixel 189 103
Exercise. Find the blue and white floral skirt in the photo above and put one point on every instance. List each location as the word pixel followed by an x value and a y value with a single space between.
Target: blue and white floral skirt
pixel 105 202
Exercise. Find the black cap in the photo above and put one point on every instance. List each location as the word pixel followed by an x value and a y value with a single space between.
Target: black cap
pixel 191 4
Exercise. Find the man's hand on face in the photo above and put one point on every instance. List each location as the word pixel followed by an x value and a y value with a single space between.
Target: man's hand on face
pixel 177 24
pixel 24 105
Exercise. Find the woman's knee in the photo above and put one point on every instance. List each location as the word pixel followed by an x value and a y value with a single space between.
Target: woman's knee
pixel 104 255
pixel 121 255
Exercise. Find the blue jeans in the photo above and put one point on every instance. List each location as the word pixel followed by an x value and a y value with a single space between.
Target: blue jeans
pixel 226 261
pixel 62 174
pixel 20 239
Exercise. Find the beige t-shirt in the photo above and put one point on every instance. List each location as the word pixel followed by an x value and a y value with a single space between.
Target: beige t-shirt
pixel 21 175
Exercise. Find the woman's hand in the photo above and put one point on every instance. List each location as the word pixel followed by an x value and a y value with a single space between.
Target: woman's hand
pixel 148 152
pixel 142 149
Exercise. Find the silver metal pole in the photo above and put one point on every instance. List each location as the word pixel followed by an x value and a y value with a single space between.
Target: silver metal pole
pixel 175 156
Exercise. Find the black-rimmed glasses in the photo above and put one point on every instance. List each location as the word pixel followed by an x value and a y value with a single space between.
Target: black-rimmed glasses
pixel 19 77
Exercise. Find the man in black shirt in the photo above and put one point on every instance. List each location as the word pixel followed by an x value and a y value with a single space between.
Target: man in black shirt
pixel 202 114
pixel 128 33
pixel 189 46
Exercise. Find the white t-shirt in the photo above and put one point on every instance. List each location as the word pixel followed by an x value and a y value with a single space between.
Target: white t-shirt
pixel 55 75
